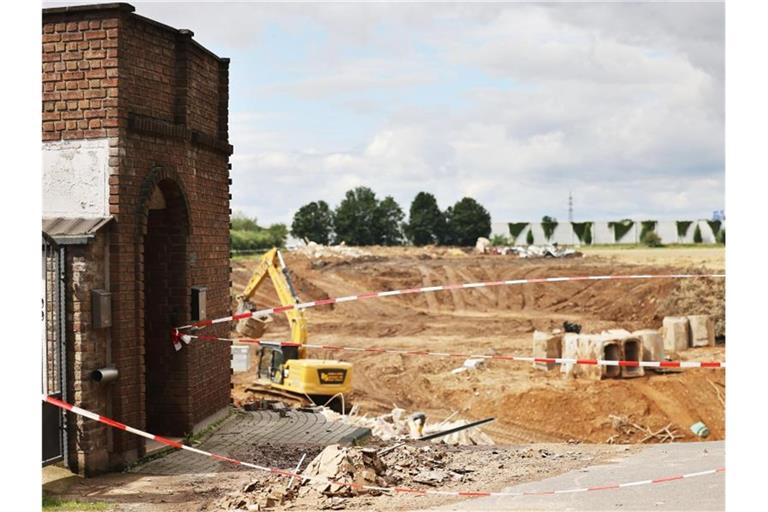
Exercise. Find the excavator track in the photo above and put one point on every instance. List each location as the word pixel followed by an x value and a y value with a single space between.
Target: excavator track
pixel 263 391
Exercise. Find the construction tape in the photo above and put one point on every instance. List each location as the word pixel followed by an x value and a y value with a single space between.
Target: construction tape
pixel 427 289
pixel 525 359
pixel 392 490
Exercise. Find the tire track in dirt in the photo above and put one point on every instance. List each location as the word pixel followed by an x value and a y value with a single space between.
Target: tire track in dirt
pixel 432 305
pixel 456 295
pixel 572 296
pixel 501 292
pixel 467 276
pixel 526 292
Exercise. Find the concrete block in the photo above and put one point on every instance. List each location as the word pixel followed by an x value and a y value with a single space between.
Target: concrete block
pixel 591 346
pixel 653 345
pixel 610 349
pixel 569 351
pixel 676 332
pixel 631 350
pixel 547 344
pixel 702 330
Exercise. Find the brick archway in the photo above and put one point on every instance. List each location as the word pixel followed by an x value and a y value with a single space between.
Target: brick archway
pixel 164 294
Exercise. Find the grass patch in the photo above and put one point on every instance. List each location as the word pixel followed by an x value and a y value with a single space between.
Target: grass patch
pixel 54 504
pixel 247 255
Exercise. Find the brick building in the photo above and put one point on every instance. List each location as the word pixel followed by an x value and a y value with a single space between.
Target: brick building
pixel 136 204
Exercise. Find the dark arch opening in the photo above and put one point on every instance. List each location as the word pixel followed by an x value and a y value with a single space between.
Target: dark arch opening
pixel 166 305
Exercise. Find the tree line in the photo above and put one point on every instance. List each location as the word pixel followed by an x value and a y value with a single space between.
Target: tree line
pixel 246 235
pixel 363 219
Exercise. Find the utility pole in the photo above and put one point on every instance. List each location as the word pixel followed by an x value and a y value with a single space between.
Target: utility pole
pixel 570 213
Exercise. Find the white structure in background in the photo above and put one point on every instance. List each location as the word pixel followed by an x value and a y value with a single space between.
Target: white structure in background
pixel 603 233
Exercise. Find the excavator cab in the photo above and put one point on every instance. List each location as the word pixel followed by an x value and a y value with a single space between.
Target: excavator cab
pixel 272 359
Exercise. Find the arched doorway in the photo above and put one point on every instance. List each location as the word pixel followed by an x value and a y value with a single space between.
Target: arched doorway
pixel 166 305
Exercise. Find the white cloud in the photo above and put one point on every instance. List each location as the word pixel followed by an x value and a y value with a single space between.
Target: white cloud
pixel 514 104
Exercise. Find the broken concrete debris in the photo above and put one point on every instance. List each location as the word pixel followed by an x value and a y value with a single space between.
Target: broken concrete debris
pixel 483 246
pixel 314 250
pixel 398 426
pixel 337 465
pixel 470 364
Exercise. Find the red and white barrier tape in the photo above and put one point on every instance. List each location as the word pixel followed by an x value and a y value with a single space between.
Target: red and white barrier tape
pixel 428 289
pixel 525 359
pixel 393 490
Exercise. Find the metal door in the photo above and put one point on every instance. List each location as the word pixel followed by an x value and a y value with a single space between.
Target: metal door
pixel 53 350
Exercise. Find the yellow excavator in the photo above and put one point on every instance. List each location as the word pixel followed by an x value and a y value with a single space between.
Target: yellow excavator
pixel 284 369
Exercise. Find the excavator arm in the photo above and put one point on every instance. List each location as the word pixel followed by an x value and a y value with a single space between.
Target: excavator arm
pixel 273 265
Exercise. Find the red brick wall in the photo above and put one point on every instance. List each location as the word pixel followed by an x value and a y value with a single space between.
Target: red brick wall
pixel 147 64
pixel 79 76
pixel 203 80
pixel 163 103
pixel 87 351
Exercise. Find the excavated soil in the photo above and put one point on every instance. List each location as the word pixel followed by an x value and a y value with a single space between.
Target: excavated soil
pixel 529 405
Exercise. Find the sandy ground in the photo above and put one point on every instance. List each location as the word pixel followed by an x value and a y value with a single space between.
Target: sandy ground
pixel 530 405
pixel 707 256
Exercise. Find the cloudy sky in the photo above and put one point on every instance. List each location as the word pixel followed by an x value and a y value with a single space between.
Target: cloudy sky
pixel 512 104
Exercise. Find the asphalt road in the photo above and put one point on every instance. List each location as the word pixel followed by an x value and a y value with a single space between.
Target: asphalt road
pixel 695 494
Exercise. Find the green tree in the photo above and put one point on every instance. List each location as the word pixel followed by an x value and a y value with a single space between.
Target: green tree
pixel 529 237
pixel 259 238
pixel 467 220
pixel 314 222
pixel 354 218
pixel 426 223
pixel 388 222
pixel 240 222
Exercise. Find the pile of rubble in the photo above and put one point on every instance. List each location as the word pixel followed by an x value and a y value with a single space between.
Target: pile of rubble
pixel 326 479
pixel 398 426
pixel 314 250
pixel 483 246
pixel 415 465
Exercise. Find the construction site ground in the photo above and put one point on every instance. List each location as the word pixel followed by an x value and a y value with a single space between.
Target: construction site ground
pixel 545 425
pixel 529 405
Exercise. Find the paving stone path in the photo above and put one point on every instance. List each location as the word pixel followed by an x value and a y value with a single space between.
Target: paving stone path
pixel 244 430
